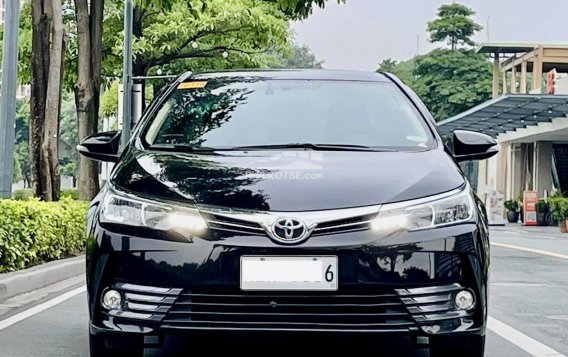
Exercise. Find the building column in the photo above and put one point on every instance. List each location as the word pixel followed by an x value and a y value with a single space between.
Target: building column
pixel 516 184
pixel 523 89
pixel 504 79
pixel 495 87
pixel 514 80
pixel 542 171
pixel 501 180
pixel 537 70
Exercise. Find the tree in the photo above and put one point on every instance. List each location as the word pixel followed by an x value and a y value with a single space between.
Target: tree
pixel 300 56
pixel 450 82
pixel 453 25
pixel 89 15
pixel 90 62
pixel 404 70
pixel 46 76
pixel 387 65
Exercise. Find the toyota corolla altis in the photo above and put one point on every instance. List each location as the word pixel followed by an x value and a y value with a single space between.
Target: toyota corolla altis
pixel 282 202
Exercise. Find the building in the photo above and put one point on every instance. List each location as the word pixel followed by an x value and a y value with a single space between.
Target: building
pixel 528 118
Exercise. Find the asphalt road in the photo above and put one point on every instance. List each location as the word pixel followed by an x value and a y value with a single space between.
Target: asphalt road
pixel 528 307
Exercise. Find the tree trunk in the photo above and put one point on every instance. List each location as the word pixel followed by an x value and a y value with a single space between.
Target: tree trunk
pixel 87 89
pixel 41 25
pixel 47 69
pixel 49 173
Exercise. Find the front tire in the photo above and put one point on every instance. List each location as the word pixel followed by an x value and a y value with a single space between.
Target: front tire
pixel 100 348
pixel 449 347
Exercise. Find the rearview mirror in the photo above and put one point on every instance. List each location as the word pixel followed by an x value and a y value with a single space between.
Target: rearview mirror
pixel 470 145
pixel 101 146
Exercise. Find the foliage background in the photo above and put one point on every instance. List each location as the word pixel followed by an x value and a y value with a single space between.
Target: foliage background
pixel 34 232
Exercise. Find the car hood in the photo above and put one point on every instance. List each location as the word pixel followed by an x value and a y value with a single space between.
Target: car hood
pixel 288 180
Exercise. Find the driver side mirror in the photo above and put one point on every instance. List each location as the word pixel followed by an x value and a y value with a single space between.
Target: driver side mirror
pixel 471 145
pixel 101 146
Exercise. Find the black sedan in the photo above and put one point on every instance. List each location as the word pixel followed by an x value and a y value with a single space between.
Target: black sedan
pixel 313 202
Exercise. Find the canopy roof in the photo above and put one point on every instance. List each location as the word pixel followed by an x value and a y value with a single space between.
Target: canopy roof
pixel 508 112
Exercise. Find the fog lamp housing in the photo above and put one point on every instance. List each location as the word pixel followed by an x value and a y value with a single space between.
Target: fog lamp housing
pixel 464 300
pixel 111 300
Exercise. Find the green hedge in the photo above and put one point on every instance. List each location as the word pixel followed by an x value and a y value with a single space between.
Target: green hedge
pixel 22 194
pixel 33 232
pixel 26 194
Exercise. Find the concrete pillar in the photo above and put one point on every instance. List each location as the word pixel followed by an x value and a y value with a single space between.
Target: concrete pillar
pixel 514 80
pixel 542 167
pixel 524 77
pixel 516 184
pixel 501 179
pixel 495 87
pixel 537 70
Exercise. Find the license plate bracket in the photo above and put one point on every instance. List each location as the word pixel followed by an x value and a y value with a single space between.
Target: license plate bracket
pixel 288 273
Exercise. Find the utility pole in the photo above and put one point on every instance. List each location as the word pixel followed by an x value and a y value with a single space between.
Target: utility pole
pixel 8 95
pixel 488 28
pixel 127 75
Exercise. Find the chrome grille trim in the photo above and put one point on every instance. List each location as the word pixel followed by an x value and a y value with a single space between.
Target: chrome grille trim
pixel 345 225
pixel 260 222
pixel 144 303
pixel 236 225
pixel 432 305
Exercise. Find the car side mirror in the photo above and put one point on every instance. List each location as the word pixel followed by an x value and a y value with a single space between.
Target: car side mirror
pixel 470 145
pixel 101 146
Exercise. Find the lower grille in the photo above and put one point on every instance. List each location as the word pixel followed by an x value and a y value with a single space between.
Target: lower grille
pixel 143 303
pixel 289 311
pixel 433 307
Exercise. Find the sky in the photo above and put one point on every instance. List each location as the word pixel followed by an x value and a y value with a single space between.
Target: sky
pixel 359 34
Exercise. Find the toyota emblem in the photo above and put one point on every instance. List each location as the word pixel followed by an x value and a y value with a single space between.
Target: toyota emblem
pixel 290 230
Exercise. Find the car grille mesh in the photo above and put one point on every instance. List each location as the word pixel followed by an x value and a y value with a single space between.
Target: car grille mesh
pixel 290 310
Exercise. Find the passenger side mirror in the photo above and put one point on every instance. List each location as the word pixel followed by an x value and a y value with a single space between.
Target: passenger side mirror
pixel 101 146
pixel 470 145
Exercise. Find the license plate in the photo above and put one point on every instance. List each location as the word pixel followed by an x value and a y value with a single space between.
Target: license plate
pixel 289 273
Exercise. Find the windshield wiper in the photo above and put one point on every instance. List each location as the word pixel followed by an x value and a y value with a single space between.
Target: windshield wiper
pixel 307 146
pixel 310 146
pixel 182 147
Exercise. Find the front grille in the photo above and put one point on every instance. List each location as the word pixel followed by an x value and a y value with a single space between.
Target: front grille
pixel 350 224
pixel 289 311
pixel 230 224
pixel 233 224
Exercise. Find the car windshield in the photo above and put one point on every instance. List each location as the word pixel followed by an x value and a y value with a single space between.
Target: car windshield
pixel 249 112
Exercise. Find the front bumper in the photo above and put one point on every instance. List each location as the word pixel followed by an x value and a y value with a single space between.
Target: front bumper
pixel 403 285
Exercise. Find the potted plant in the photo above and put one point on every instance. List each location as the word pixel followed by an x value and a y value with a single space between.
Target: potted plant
pixel 541 208
pixel 512 207
pixel 559 210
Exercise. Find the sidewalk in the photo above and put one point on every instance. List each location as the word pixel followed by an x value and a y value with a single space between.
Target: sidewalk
pixel 519 228
pixel 534 237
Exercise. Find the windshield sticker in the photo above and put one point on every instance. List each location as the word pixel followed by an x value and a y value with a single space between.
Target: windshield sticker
pixel 192 85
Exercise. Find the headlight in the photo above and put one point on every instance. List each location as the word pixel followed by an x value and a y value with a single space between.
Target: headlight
pixel 134 211
pixel 423 214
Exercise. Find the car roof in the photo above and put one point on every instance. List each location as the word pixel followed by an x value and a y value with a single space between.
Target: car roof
pixel 307 74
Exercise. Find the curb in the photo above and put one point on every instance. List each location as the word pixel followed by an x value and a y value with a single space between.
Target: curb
pixel 24 281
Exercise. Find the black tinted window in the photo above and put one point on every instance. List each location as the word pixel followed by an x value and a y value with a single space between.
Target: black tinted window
pixel 241 112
